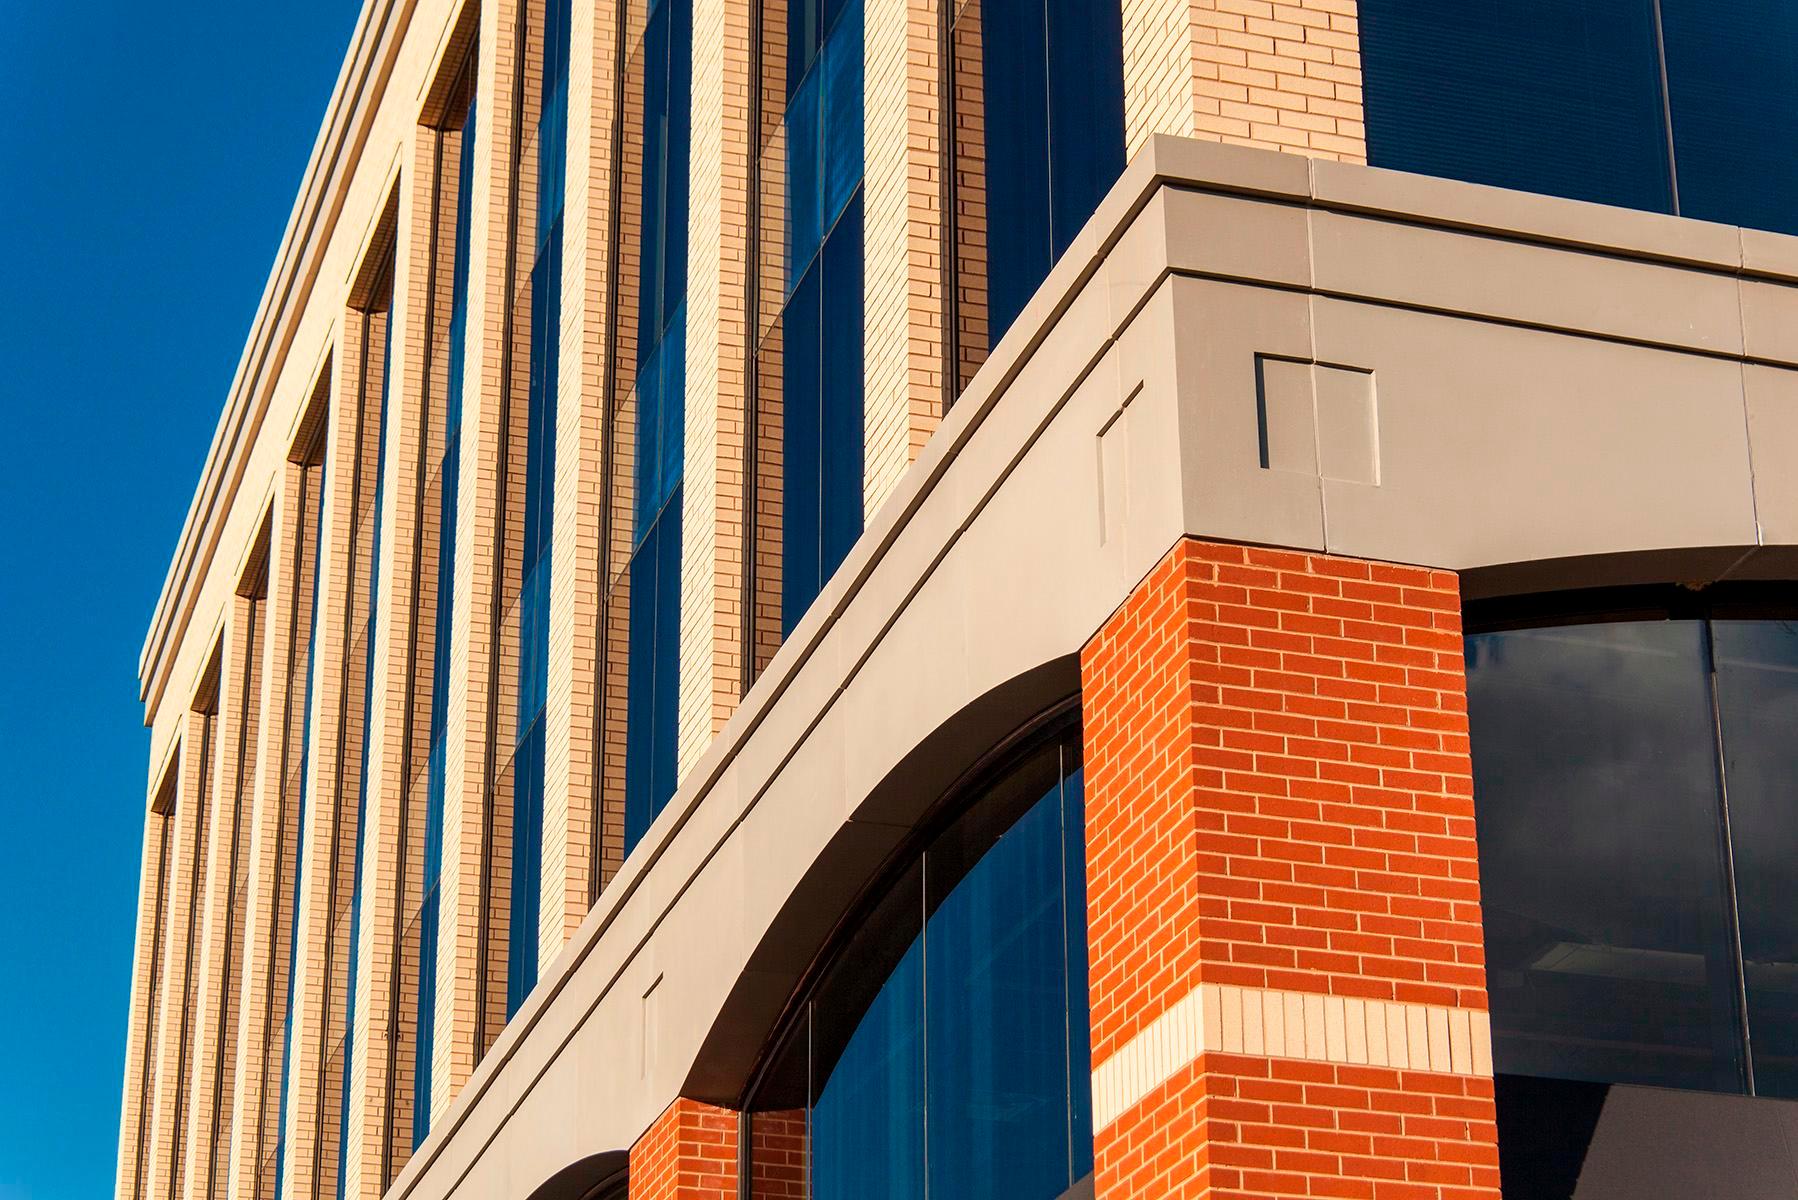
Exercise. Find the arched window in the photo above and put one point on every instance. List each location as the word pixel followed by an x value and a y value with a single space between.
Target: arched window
pixel 1635 764
pixel 943 1052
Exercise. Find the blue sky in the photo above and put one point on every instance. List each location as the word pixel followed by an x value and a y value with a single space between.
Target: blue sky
pixel 149 155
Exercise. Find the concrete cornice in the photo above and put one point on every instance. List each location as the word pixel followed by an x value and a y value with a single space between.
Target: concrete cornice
pixel 336 152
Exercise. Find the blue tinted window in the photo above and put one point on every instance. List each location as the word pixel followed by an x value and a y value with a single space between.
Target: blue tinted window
pixel 1555 96
pixel 1053 94
pixel 820 343
pixel 1732 77
pixel 945 1052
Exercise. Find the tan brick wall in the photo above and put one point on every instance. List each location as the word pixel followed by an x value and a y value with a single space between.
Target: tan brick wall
pixel 717 274
pixel 273 839
pixel 222 932
pixel 570 758
pixel 146 998
pixel 471 664
pixel 769 216
pixel 381 1057
pixel 165 1168
pixel 334 776
pixel 902 314
pixel 1279 75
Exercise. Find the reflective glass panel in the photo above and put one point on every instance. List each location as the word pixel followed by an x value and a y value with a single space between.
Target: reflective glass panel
pixel 1607 946
pixel 1554 96
pixel 1732 80
pixel 1757 705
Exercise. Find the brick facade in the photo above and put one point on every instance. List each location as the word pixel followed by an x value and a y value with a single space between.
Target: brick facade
pixel 1279 803
pixel 1279 75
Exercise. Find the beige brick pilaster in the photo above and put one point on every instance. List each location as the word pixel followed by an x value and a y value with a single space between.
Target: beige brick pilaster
pixel 165 1165
pixel 221 939
pixel 1282 75
pixel 570 713
pixel 146 988
pixel 328 836
pixel 476 680
pixel 717 270
pixel 382 1046
pixel 902 215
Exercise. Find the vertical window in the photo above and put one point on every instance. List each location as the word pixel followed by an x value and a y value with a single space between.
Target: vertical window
pixel 307 566
pixel 1036 99
pixel 1680 106
pixel 453 191
pixel 809 347
pixel 525 559
pixel 367 490
pixel 647 427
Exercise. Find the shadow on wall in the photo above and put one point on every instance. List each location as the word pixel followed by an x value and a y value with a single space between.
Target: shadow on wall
pixel 1567 1140
pixel 598 1177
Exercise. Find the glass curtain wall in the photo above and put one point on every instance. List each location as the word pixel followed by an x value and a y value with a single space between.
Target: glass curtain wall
pixel 435 509
pixel 944 1053
pixel 306 570
pixel 1633 788
pixel 808 365
pixel 1678 106
pixel 1036 95
pixel 530 494
pixel 646 432
pixel 365 576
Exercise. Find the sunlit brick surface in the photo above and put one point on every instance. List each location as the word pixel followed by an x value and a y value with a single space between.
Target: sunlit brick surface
pixel 1279 796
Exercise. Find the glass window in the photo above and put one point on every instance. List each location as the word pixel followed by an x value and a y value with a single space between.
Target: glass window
pixel 1038 88
pixel 1555 96
pixel 1757 707
pixel 1632 783
pixel 1681 106
pixel 1732 76
pixel 815 343
pixel 945 1051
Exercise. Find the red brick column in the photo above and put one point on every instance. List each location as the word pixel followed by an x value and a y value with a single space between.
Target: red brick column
pixel 690 1153
pixel 1287 979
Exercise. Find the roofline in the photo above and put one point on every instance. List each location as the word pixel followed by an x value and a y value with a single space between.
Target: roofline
pixel 349 114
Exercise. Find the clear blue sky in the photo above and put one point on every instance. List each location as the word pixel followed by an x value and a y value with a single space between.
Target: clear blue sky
pixel 149 154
